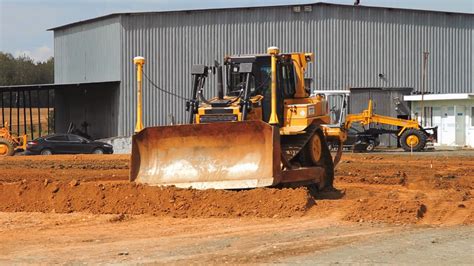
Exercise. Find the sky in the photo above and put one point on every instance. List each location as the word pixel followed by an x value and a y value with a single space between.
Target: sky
pixel 23 23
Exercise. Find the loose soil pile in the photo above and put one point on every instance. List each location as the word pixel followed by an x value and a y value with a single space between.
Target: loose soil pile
pixel 431 188
pixel 64 167
pixel 422 189
pixel 129 198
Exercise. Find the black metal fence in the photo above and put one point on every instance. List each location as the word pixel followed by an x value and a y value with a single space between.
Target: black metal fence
pixel 28 111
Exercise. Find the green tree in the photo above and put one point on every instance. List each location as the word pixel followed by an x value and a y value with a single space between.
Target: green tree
pixel 23 70
pixel 7 69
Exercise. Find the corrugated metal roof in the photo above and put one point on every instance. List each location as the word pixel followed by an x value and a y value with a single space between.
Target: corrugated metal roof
pixel 248 7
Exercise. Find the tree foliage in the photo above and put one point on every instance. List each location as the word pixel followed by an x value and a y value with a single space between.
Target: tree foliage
pixel 23 70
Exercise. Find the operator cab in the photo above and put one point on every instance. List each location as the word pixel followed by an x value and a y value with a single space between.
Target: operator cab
pixel 244 88
pixel 260 76
pixel 260 80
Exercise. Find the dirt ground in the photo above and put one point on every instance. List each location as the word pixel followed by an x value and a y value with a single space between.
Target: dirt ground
pixel 388 208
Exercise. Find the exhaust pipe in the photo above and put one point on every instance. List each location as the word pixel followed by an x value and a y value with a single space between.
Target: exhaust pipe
pixel 220 83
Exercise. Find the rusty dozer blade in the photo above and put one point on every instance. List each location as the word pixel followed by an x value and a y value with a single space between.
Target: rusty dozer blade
pixel 231 155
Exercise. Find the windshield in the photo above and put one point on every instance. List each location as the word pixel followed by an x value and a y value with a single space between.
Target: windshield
pixel 265 76
pixel 259 80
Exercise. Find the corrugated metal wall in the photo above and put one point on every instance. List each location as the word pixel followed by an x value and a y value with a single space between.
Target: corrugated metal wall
pixel 88 52
pixel 352 47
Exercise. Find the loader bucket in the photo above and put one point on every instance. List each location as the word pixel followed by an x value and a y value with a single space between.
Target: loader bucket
pixel 232 155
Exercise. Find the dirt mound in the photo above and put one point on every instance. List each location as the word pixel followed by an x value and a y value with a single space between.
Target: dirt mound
pixel 388 211
pixel 392 179
pixel 64 167
pixel 417 172
pixel 82 161
pixel 129 198
pixel 421 189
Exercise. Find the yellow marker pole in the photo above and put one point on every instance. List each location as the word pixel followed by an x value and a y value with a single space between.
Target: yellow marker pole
pixel 371 106
pixel 273 51
pixel 139 62
pixel 369 112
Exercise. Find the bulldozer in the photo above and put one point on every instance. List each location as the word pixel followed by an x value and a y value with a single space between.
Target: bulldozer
pixel 264 130
pixel 10 143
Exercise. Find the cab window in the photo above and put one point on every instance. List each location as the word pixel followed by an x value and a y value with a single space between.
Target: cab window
pixel 57 138
pixel 74 138
pixel 287 79
pixel 264 77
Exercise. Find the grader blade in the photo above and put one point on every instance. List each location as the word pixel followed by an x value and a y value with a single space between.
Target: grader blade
pixel 231 155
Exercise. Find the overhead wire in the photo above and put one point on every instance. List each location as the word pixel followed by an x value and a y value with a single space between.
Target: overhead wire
pixel 263 83
pixel 163 90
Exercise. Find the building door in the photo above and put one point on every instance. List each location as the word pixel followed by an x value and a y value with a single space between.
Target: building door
pixel 448 126
pixel 460 125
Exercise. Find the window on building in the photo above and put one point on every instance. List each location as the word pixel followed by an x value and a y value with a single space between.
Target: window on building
pixel 425 118
pixel 436 114
pixel 428 116
pixel 416 114
pixel 472 116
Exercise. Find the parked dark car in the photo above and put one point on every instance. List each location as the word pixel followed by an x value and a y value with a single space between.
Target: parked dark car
pixel 66 144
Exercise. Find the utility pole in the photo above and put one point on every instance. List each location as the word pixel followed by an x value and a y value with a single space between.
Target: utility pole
pixel 423 85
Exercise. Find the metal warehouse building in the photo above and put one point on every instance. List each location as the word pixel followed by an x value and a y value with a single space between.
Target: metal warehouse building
pixel 354 47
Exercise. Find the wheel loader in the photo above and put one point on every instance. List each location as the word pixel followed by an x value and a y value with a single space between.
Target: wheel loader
pixel 263 130
pixel 10 143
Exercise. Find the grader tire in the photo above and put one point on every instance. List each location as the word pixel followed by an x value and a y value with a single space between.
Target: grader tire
pixel 7 147
pixel 309 157
pixel 413 140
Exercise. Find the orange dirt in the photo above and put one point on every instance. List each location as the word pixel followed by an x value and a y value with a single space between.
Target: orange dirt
pixel 129 198
pixel 400 189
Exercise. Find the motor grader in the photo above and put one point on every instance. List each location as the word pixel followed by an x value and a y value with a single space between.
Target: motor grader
pixel 263 130
pixel 412 136
pixel 10 143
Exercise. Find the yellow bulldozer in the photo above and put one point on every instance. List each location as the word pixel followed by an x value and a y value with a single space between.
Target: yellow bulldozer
pixel 10 143
pixel 265 129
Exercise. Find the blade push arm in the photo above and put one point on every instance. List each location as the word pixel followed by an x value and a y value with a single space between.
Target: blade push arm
pixel 199 73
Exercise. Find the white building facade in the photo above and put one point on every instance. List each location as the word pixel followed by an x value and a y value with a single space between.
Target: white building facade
pixel 453 114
